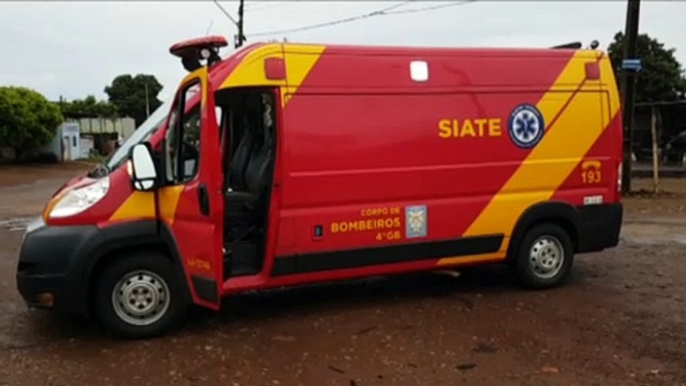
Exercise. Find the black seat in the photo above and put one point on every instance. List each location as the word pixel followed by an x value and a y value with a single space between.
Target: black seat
pixel 245 203
pixel 258 173
pixel 240 161
pixel 250 123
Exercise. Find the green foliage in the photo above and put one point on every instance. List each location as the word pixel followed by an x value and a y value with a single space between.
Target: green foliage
pixel 89 107
pixel 662 77
pixel 128 94
pixel 27 119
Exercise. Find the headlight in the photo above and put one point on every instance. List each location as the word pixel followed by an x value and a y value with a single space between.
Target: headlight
pixel 78 200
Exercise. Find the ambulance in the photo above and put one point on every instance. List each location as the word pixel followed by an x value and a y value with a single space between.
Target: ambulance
pixel 291 164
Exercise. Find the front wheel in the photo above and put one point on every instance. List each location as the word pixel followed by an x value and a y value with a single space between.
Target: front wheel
pixel 140 296
pixel 545 257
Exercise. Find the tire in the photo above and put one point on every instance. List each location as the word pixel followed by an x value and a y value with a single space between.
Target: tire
pixel 156 297
pixel 537 264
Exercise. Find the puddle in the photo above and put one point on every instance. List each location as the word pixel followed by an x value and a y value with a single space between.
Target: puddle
pixel 652 232
pixel 16 224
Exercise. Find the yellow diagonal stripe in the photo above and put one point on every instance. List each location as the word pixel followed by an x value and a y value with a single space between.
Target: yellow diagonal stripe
pixel 137 205
pixel 571 77
pixel 250 71
pixel 300 59
pixel 169 200
pixel 549 164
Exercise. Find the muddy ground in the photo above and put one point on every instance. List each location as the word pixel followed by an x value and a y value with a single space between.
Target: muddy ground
pixel 620 321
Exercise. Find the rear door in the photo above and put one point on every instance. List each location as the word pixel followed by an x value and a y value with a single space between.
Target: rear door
pixel 191 202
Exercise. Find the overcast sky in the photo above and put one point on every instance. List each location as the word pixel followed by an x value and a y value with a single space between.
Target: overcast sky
pixel 76 48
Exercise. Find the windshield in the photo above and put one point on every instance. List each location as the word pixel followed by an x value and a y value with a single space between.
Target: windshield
pixel 141 134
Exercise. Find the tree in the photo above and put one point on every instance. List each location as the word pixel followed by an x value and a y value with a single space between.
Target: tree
pixel 89 107
pixel 662 77
pixel 128 93
pixel 27 119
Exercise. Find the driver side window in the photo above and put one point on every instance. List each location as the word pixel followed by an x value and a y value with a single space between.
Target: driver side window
pixel 182 150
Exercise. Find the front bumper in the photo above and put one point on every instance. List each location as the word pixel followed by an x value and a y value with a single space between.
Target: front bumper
pixel 51 272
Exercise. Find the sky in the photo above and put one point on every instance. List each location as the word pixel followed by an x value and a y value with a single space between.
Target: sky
pixel 75 48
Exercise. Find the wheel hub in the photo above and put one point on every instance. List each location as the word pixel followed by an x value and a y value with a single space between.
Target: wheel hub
pixel 546 257
pixel 140 298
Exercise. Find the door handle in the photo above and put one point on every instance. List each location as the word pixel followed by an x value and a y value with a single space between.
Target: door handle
pixel 204 200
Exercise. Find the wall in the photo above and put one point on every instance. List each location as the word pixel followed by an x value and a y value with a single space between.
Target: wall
pixel 122 126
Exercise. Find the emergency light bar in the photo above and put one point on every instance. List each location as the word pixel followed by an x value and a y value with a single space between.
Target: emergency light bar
pixel 193 51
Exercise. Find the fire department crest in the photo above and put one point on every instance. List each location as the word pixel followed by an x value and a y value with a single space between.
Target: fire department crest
pixel 415 221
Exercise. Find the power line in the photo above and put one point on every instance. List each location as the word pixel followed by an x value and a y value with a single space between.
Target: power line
pixel 226 13
pixel 240 37
pixel 429 8
pixel 379 12
pixel 209 27
pixel 392 7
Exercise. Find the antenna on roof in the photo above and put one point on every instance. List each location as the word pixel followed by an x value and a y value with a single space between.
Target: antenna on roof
pixel 572 46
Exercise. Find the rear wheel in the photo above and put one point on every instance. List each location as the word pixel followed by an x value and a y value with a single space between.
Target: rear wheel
pixel 140 296
pixel 545 257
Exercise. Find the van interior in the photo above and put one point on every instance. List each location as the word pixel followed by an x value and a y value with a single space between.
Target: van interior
pixel 248 135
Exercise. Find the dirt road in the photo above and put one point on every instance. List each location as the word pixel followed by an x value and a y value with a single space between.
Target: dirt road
pixel 25 189
pixel 620 321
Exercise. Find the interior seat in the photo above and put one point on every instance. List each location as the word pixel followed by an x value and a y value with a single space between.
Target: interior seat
pixel 240 162
pixel 258 173
pixel 246 146
pixel 245 202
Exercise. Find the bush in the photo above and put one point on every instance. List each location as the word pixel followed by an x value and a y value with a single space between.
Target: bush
pixel 27 119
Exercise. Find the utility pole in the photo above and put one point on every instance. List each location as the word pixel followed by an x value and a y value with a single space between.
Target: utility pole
pixel 628 89
pixel 240 38
pixel 147 101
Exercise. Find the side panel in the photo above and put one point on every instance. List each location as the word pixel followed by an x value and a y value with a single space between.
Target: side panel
pixel 381 174
pixel 433 163
pixel 390 155
pixel 594 179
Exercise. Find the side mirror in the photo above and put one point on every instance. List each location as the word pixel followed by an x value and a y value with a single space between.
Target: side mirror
pixel 143 173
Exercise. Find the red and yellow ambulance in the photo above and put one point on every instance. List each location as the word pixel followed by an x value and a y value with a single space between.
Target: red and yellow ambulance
pixel 289 164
